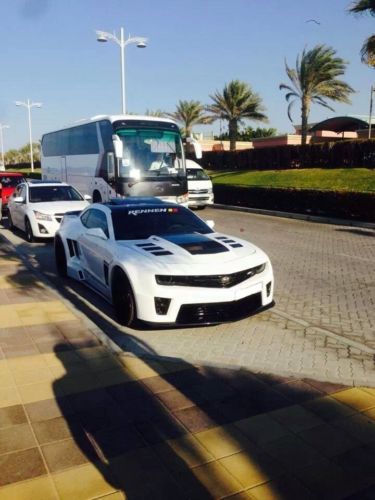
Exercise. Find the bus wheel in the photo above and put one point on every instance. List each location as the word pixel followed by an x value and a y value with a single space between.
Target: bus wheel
pixel 29 231
pixel 123 299
pixel 60 258
pixel 96 197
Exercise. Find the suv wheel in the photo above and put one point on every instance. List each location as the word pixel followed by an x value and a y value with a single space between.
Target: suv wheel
pixel 29 231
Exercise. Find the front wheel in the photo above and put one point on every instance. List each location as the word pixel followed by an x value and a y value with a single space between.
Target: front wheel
pixel 123 300
pixel 29 232
pixel 60 258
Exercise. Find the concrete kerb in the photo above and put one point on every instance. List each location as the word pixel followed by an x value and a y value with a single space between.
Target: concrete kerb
pixel 291 215
pixel 116 350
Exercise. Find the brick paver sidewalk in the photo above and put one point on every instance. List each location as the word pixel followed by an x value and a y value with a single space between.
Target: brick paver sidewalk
pixel 77 422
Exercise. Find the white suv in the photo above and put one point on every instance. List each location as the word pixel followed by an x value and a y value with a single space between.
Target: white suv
pixel 199 186
pixel 37 207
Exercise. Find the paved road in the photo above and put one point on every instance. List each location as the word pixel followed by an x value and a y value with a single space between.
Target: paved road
pixel 323 324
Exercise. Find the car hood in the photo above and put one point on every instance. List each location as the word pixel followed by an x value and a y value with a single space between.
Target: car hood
pixel 58 207
pixel 205 252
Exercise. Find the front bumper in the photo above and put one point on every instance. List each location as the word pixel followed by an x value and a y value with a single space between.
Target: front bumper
pixel 197 305
pixel 44 228
pixel 200 200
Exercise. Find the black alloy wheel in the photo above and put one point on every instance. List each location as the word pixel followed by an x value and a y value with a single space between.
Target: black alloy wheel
pixel 60 258
pixel 123 300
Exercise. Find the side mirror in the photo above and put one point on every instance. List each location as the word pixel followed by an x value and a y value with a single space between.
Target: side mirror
pixel 18 199
pixel 87 197
pixel 97 232
pixel 118 146
pixel 210 223
pixel 196 145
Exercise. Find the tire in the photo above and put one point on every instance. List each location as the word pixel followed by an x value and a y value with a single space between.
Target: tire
pixel 10 222
pixel 29 232
pixel 123 300
pixel 60 258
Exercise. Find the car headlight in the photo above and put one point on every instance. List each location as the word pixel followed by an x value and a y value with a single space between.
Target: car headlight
pixel 41 216
pixel 183 198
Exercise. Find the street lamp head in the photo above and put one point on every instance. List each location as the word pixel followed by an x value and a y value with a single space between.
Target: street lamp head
pixel 37 104
pixel 18 103
pixel 101 36
pixel 141 45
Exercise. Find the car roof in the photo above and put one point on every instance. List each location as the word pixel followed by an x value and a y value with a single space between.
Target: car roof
pixel 37 182
pixel 117 204
pixel 5 173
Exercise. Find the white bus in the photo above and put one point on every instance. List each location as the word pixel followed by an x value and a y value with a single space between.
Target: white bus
pixel 123 155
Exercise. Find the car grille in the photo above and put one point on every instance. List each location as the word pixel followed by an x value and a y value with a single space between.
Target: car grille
pixel 198 191
pixel 219 312
pixel 207 281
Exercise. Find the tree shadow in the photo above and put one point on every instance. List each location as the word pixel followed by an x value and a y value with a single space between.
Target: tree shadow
pixel 358 231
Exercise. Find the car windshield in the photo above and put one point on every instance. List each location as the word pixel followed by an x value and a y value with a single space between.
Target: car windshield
pixel 8 181
pixel 142 222
pixel 150 153
pixel 39 194
pixel 196 174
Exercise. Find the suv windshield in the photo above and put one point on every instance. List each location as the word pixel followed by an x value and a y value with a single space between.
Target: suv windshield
pixel 142 222
pixel 150 153
pixel 8 181
pixel 196 174
pixel 53 193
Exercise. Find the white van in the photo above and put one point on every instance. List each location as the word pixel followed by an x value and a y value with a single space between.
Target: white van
pixel 199 186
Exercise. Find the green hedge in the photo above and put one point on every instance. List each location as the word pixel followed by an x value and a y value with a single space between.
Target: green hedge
pixel 341 154
pixel 356 206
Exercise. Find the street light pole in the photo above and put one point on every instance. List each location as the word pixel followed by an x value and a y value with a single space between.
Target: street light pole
pixel 2 142
pixel 370 114
pixel 29 104
pixel 103 36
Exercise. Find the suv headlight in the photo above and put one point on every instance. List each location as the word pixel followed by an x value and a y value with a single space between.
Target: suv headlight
pixel 41 216
pixel 183 198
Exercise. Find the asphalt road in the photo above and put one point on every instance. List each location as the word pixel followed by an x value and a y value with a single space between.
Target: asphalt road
pixel 323 321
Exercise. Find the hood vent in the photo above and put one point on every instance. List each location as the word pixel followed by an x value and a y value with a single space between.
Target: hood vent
pixel 154 249
pixel 228 241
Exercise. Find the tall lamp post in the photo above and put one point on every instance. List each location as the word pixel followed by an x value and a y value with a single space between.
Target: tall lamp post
pixel 103 36
pixel 2 143
pixel 370 114
pixel 29 104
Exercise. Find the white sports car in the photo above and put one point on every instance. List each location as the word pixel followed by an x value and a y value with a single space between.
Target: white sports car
pixel 160 263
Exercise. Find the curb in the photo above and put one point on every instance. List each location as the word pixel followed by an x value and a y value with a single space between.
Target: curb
pixel 291 215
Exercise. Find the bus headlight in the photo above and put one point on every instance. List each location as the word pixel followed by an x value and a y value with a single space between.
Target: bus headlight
pixel 41 216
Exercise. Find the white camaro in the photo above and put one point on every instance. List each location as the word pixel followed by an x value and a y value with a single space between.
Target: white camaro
pixel 160 263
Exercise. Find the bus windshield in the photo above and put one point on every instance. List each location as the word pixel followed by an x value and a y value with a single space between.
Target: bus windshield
pixel 150 153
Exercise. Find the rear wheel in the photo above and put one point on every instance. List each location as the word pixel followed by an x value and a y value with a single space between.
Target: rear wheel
pixel 60 258
pixel 96 197
pixel 123 300
pixel 29 231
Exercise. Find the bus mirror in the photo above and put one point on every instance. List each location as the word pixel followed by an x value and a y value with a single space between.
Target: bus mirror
pixel 110 166
pixel 190 141
pixel 118 146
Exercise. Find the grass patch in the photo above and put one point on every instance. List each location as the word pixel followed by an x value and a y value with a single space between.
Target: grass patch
pixel 359 180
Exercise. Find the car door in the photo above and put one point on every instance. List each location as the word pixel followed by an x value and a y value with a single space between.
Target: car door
pixel 95 251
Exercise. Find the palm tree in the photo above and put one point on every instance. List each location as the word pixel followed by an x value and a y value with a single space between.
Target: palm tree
pixel 314 80
pixel 236 103
pixel 368 48
pixel 189 113
pixel 158 113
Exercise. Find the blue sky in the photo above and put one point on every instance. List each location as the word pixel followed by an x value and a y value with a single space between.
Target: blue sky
pixel 49 53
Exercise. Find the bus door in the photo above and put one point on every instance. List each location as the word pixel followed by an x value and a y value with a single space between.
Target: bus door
pixel 63 174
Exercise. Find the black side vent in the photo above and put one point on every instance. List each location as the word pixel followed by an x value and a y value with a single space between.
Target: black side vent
pixel 162 252
pixel 71 247
pixel 236 245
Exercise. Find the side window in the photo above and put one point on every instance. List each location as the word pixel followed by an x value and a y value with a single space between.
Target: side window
pixel 97 218
pixel 23 193
pixel 84 217
pixel 106 132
